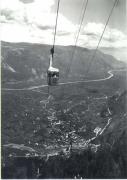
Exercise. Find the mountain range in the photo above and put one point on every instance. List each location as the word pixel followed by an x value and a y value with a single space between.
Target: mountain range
pixel 92 112
pixel 23 61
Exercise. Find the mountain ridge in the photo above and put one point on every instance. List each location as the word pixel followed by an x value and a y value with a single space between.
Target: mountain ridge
pixel 31 61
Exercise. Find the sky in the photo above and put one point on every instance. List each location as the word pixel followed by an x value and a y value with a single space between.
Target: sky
pixel 33 21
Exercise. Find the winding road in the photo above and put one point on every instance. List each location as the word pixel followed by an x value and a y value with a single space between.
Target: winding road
pixel 66 83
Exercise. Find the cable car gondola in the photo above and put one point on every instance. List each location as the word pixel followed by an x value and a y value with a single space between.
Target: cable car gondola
pixel 52 73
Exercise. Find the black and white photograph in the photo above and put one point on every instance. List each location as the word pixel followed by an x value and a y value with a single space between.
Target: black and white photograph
pixel 63 89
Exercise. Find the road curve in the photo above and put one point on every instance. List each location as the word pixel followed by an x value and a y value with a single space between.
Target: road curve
pixel 67 83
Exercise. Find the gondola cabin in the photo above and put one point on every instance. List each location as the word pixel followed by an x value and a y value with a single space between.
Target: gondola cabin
pixel 52 76
pixel 52 73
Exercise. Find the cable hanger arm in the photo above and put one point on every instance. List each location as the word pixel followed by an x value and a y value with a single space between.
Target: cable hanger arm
pixel 53 46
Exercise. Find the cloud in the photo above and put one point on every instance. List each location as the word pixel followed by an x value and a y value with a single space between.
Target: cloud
pixel 6 15
pixel 63 33
pixel 96 29
pixel 33 11
pixel 33 21
pixel 92 32
pixel 27 1
pixel 36 13
pixel 44 27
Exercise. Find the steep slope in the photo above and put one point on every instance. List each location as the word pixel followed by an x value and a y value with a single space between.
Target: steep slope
pixel 30 61
pixel 109 160
pixel 116 108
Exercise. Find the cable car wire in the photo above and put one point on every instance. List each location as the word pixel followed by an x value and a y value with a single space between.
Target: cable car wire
pixel 58 5
pixel 94 54
pixel 77 37
pixel 82 15
pixel 116 1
